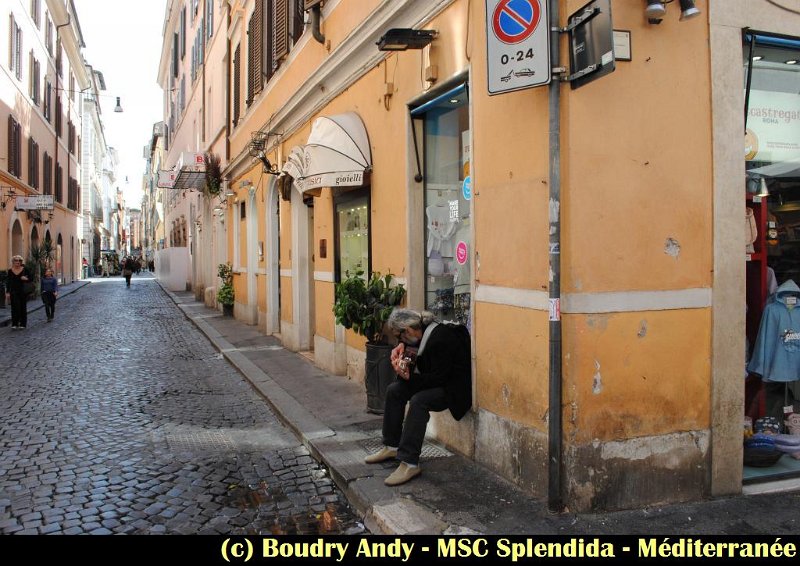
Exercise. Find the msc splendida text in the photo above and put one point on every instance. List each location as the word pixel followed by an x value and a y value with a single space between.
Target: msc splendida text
pixel 513 549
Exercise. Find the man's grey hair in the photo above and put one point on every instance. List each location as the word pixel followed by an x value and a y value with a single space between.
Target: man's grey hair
pixel 403 319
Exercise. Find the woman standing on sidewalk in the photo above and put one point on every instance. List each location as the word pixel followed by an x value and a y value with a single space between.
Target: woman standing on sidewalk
pixel 49 293
pixel 18 275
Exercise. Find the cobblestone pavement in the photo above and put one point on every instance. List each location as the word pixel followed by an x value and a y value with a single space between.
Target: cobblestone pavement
pixel 120 417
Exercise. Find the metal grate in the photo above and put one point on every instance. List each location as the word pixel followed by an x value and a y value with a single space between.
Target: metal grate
pixel 199 441
pixel 429 451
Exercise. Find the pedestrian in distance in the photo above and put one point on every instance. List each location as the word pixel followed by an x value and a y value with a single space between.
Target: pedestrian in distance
pixel 49 293
pixel 127 269
pixel 434 369
pixel 16 293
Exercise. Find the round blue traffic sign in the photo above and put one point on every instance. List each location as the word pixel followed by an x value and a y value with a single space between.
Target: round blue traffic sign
pixel 514 21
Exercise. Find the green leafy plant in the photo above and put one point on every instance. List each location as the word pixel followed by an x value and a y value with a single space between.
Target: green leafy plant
pixel 40 257
pixel 225 294
pixel 364 305
pixel 213 184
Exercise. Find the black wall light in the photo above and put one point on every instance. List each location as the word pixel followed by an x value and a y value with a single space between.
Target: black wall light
pixel 400 39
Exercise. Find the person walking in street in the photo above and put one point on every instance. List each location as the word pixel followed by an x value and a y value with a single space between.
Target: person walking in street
pixel 16 293
pixel 434 369
pixel 49 293
pixel 104 266
pixel 127 269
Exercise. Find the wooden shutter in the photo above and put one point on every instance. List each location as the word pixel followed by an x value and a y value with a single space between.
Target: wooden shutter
pixel 12 162
pixel 236 81
pixel 280 31
pixel 255 51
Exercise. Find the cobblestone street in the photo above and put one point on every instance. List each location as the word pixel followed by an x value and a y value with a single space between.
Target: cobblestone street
pixel 120 417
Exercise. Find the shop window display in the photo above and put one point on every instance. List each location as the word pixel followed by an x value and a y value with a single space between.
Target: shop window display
pixel 448 235
pixel 772 222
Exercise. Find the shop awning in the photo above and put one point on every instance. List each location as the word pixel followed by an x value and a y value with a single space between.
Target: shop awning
pixel 780 169
pixel 189 173
pixel 337 155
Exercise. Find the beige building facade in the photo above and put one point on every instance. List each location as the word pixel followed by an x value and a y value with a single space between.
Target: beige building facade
pixel 41 75
pixel 448 187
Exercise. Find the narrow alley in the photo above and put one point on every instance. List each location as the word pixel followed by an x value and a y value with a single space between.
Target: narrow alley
pixel 120 417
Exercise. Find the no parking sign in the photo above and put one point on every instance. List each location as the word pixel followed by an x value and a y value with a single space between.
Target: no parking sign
pixel 517 44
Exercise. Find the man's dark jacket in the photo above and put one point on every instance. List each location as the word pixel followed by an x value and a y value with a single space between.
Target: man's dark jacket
pixel 446 362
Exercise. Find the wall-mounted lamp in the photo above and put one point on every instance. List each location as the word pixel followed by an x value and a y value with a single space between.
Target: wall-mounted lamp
pixel 656 10
pixel 229 192
pixel 400 39
pixel 6 194
pixel 118 107
pixel 218 208
pixel 257 149
pixel 269 168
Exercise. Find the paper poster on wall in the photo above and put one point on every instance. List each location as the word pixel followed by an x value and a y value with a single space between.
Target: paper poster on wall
pixel 773 127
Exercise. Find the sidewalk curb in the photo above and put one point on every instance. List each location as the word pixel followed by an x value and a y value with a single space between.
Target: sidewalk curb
pixel 308 429
pixel 62 292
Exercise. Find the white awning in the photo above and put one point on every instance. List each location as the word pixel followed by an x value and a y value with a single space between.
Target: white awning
pixel 294 163
pixel 337 155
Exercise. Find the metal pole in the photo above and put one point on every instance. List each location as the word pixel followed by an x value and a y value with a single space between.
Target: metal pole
pixel 554 499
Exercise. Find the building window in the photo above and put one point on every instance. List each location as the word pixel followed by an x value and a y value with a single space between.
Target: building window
pixel 48 101
pixel 59 181
pixel 209 19
pixel 15 53
pixel 14 147
pixel 58 115
pixel 444 126
pixel 351 228
pixel 59 58
pixel 71 137
pixel 183 33
pixel 255 53
pixel 48 33
pixel 47 174
pixel 72 87
pixel 36 13
pixel 33 164
pixel 35 79
pixel 236 81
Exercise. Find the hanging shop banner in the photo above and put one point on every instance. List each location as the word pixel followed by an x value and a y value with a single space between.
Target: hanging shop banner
pixel 36 202
pixel 517 44
pixel 773 127
pixel 166 179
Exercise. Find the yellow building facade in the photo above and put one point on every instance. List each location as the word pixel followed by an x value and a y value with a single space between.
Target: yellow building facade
pixel 454 199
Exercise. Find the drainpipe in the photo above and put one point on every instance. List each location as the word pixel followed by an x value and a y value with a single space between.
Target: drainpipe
pixel 315 19
pixel 555 430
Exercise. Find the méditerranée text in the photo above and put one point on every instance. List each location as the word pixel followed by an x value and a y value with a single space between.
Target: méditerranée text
pixel 513 549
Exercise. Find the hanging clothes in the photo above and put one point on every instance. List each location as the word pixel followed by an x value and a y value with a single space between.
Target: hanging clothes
pixel 776 352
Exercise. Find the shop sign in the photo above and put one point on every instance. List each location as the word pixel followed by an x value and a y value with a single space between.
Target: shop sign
pixel 36 202
pixel 517 44
pixel 192 162
pixel 773 127
pixel 336 179
pixel 466 188
pixel 166 179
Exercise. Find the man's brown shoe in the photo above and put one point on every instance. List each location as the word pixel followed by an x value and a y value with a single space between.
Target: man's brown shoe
pixel 402 474
pixel 381 456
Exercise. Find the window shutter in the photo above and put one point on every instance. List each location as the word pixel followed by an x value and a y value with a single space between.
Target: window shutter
pixel 209 18
pixel 11 148
pixel 236 81
pixel 255 50
pixel 31 162
pixel 175 48
pixel 280 31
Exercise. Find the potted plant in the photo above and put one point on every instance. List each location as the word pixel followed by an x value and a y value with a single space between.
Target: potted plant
pixel 364 305
pixel 225 294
